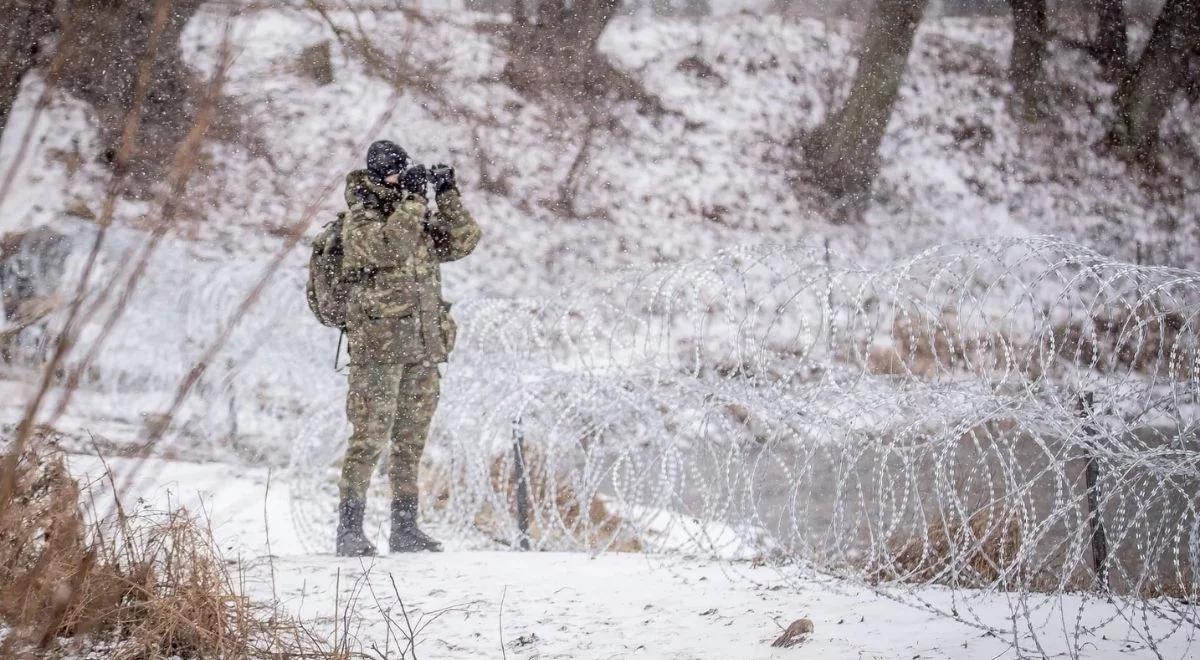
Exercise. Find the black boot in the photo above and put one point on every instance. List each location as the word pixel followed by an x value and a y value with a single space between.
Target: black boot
pixel 406 536
pixel 351 542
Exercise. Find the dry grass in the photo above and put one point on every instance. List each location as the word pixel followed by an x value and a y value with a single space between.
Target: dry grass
pixel 925 347
pixel 144 586
pixel 1146 339
pixel 980 553
pixel 557 513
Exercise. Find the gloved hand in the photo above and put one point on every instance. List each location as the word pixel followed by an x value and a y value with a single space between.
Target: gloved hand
pixel 442 176
pixel 415 180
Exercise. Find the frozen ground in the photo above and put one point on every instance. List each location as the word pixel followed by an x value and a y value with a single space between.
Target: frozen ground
pixel 565 605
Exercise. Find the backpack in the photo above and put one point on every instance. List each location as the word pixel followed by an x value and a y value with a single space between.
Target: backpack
pixel 328 286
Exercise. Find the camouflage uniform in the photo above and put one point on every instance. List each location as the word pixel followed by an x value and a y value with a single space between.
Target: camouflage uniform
pixel 399 326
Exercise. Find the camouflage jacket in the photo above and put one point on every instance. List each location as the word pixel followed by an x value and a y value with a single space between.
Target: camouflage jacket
pixel 395 247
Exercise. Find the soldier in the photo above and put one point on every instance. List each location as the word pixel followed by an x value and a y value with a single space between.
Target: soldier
pixel 400 330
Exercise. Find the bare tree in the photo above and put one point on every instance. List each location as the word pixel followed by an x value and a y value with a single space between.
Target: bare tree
pixel 560 45
pixel 1145 92
pixel 843 152
pixel 1028 54
pixel 23 25
pixel 113 42
pixel 559 54
pixel 1112 37
pixel 100 59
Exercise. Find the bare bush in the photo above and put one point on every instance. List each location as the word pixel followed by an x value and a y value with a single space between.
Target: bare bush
pixel 975 554
pixel 558 513
pixel 146 585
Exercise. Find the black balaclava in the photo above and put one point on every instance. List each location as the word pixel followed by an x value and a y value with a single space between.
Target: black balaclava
pixel 386 158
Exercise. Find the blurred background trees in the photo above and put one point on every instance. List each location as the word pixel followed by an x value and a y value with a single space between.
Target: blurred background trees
pixel 1148 87
pixel 99 49
pixel 554 52
pixel 845 149
pixel 23 26
pixel 120 57
pixel 1028 53
pixel 843 152
pixel 1112 37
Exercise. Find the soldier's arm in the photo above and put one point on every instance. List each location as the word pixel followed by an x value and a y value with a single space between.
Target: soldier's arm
pixel 370 242
pixel 454 232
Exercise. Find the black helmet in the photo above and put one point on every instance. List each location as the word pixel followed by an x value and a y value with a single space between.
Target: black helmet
pixel 386 158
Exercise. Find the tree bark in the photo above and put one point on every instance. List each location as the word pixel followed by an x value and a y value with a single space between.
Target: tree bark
pixel 23 25
pixel 1025 68
pixel 520 16
pixel 560 56
pixel 1144 95
pixel 109 48
pixel 843 152
pixel 586 20
pixel 564 43
pixel 1112 37
pixel 551 12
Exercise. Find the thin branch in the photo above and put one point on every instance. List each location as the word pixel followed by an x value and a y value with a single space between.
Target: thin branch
pixel 503 651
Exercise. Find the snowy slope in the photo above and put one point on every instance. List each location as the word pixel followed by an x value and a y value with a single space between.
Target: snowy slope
pixel 670 189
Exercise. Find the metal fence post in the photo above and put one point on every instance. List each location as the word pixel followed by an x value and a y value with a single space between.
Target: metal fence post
pixel 522 479
pixel 1092 478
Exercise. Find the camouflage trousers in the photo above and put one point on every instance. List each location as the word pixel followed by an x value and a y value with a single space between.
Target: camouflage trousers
pixel 389 405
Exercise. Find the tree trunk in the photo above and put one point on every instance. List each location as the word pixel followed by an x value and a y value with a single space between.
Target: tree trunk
pixel 563 44
pixel 843 152
pixel 552 12
pixel 1028 53
pixel 1112 39
pixel 24 24
pixel 520 16
pixel 111 45
pixel 1144 94
pixel 585 22
pixel 560 56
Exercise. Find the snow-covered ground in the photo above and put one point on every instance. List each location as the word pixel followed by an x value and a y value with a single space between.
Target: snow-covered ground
pixel 471 603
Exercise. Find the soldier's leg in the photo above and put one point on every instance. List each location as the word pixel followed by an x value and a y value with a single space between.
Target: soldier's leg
pixel 371 407
pixel 416 402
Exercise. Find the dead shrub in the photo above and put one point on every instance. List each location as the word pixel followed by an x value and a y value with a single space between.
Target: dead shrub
pixel 557 512
pixel 928 347
pixel 1142 339
pixel 977 554
pixel 395 62
pixel 142 586
pixel 43 555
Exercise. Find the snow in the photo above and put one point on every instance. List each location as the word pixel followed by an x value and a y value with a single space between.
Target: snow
pixel 559 605
pixel 564 605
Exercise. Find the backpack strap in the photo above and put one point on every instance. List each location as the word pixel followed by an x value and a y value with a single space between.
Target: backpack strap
pixel 338 353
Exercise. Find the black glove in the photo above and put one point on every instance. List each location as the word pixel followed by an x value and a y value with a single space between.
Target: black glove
pixel 443 179
pixel 415 180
